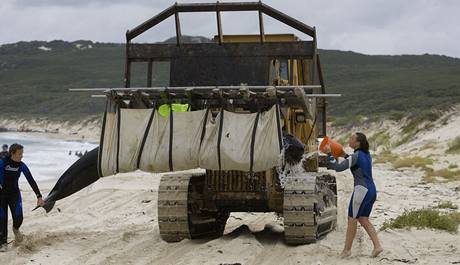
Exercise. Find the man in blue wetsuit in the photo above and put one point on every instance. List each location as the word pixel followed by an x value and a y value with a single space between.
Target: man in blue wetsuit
pixel 364 192
pixel 4 152
pixel 11 168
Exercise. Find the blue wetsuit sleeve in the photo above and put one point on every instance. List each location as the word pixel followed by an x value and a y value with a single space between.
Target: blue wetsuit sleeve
pixel 347 163
pixel 2 173
pixel 31 180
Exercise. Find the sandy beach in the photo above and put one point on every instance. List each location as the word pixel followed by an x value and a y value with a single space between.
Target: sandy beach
pixel 114 221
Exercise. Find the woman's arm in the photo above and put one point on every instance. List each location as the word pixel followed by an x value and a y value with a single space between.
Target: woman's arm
pixel 345 164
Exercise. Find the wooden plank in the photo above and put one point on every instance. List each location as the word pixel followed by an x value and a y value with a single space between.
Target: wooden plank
pixel 212 7
pixel 288 20
pixel 219 28
pixel 127 65
pixel 150 23
pixel 261 27
pixel 178 31
pixel 322 102
pixel 145 52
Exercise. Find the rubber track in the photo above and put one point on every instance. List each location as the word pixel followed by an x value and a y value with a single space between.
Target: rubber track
pixel 172 207
pixel 300 216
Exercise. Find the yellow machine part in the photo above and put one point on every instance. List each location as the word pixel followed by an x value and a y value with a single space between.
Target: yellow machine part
pixel 304 129
pixel 289 72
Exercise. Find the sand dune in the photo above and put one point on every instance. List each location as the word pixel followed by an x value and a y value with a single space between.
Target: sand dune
pixel 114 221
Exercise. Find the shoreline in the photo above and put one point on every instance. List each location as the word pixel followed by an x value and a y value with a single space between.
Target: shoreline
pixel 82 131
pixel 59 136
pixel 52 149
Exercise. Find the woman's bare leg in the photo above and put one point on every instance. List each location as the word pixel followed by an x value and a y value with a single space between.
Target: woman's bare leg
pixel 364 221
pixel 351 233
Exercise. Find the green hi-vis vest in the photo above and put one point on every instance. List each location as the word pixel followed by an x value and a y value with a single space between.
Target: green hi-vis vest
pixel 164 109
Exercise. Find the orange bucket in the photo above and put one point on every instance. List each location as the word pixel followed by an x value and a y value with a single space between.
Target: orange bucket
pixel 336 148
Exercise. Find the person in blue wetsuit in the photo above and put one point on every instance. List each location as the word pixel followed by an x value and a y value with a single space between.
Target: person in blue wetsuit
pixel 4 152
pixel 11 168
pixel 364 192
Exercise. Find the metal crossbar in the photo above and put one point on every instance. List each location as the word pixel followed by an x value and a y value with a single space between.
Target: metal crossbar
pixel 185 88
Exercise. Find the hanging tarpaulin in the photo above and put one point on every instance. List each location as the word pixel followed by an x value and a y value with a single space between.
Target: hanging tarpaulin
pixel 188 127
pixel 167 150
pixel 147 140
pixel 133 124
pixel 107 158
pixel 155 154
pixel 267 140
pixel 123 132
pixel 237 141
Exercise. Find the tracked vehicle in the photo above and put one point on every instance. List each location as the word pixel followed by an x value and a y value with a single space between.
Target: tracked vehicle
pixel 242 74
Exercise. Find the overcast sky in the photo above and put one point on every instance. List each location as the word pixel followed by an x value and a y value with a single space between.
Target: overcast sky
pixel 366 26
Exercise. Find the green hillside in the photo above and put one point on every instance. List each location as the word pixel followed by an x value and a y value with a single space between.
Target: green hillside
pixel 34 77
pixel 376 85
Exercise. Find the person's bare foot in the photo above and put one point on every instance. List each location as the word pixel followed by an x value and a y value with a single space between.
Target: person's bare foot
pixel 376 252
pixel 3 247
pixel 19 237
pixel 345 254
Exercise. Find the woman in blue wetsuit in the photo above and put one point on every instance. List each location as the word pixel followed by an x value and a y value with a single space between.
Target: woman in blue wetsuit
pixel 364 192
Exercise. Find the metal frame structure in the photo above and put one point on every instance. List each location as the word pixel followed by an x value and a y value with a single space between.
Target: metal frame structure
pixel 263 51
pixel 230 96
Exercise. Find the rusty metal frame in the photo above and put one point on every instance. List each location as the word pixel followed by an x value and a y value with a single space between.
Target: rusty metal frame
pixel 142 52
pixel 161 52
pixel 164 51
pixel 220 7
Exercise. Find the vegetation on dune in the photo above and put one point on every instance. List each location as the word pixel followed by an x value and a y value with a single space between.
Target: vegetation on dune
pixel 424 218
pixel 431 144
pixel 381 138
pixel 423 163
pixel 404 139
pixel 456 216
pixel 385 157
pixel 417 122
pixel 446 174
pixel 447 205
pixel 396 115
pixel 415 161
pixel 413 126
pixel 454 146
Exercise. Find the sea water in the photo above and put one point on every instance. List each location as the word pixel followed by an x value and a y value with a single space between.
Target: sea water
pixel 286 170
pixel 47 158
